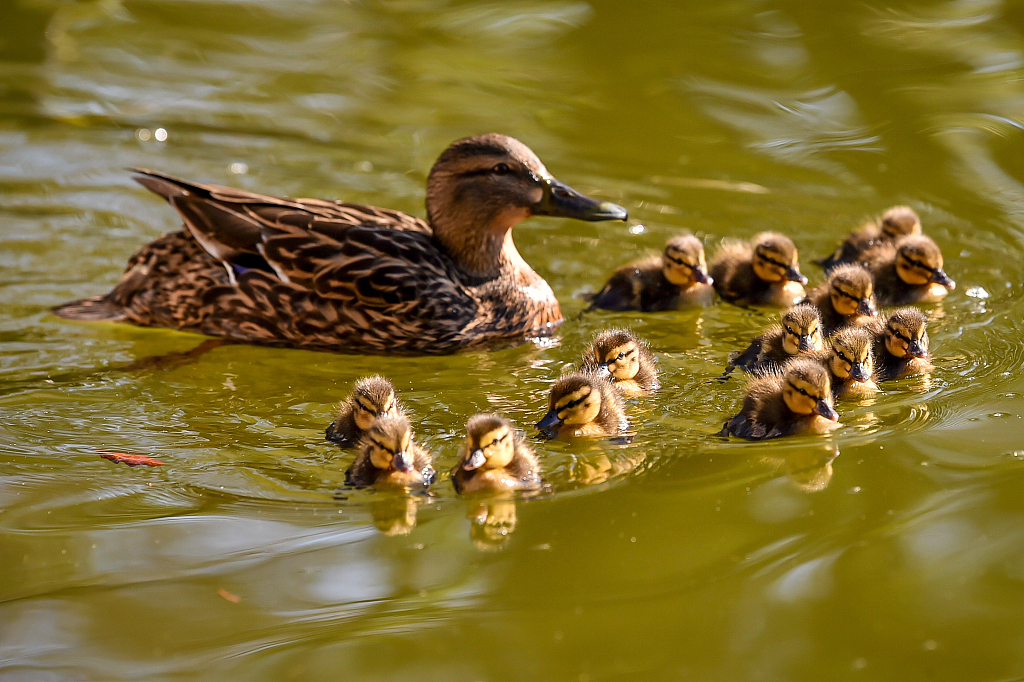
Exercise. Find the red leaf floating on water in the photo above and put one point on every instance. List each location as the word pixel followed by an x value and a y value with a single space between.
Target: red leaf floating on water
pixel 233 598
pixel 130 460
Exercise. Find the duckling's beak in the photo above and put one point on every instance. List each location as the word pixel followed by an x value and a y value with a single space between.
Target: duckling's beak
pixel 475 461
pixel 826 411
pixel 806 343
pixel 401 461
pixel 858 372
pixel 702 277
pixel 940 277
pixel 916 350
pixel 549 420
pixel 793 275
pixel 867 307
pixel 602 370
pixel 563 201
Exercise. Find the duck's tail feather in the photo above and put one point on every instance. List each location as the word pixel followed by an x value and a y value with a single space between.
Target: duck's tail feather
pixel 92 309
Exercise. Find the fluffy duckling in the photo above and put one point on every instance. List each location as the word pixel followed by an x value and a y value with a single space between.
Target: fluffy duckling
pixel 800 332
pixel 495 457
pixel 763 272
pixel 626 359
pixel 583 404
pixel 909 271
pixel 851 362
pixel 796 400
pixel 847 298
pixel 679 277
pixel 897 222
pixel 371 397
pixel 901 345
pixel 388 457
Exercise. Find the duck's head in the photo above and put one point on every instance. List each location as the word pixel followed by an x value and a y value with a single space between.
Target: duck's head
pixel 389 443
pixel 807 389
pixel 906 333
pixel 684 262
pixel 851 354
pixel 480 187
pixel 801 329
pixel 372 397
pixel 575 401
pixel 619 352
pixel 776 259
pixel 899 221
pixel 490 442
pixel 852 290
pixel 919 262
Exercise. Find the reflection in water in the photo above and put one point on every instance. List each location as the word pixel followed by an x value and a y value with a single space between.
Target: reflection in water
pixel 492 522
pixel 395 515
pixel 598 468
pixel 809 469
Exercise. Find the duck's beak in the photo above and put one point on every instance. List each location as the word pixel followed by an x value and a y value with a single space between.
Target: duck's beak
pixel 940 277
pixel 402 461
pixel 826 411
pixel 602 370
pixel 564 202
pixel 867 307
pixel 793 275
pixel 806 343
pixel 702 277
pixel 858 372
pixel 549 420
pixel 475 461
pixel 916 350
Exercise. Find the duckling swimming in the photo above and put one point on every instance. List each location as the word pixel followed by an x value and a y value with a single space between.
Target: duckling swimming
pixel 909 271
pixel 847 298
pixel 897 222
pixel 371 397
pixel 764 272
pixel 495 457
pixel 583 404
pixel 851 362
pixel 626 358
pixel 800 332
pixel 901 345
pixel 677 278
pixel 797 399
pixel 388 457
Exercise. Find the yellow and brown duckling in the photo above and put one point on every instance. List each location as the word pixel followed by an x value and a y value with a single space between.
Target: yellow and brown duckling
pixel 901 345
pixel 583 404
pixel 677 278
pixel 797 399
pixel 851 361
pixel 909 271
pixel 764 272
pixel 371 397
pixel 626 359
pixel 350 278
pixel 847 298
pixel 495 457
pixel 895 223
pixel 388 457
pixel 799 332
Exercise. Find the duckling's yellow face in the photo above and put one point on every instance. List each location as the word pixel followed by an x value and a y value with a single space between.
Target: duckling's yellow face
pixel 685 263
pixel 775 260
pixel 391 449
pixel 492 449
pixel 851 357
pixel 853 295
pixel 366 410
pixel 807 394
pixel 919 262
pixel 801 333
pixel 579 407
pixel 906 338
pixel 623 361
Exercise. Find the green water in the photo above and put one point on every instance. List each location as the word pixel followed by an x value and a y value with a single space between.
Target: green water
pixel 677 557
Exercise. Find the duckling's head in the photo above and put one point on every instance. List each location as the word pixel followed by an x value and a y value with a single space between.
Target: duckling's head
pixel 776 259
pixel 906 333
pixel 851 354
pixel 684 261
pixel 372 397
pixel 575 401
pixel 899 221
pixel 389 442
pixel 807 389
pixel 852 290
pixel 801 329
pixel 490 442
pixel 919 262
pixel 618 352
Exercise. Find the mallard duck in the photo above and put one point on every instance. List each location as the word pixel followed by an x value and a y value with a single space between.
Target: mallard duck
pixel 851 362
pixel 797 399
pixel 847 298
pixel 372 397
pixel 348 278
pixel 388 457
pixel 800 332
pixel 626 359
pixel 677 278
pixel 764 272
pixel 901 345
pixel 583 404
pixel 896 222
pixel 495 457
pixel 909 271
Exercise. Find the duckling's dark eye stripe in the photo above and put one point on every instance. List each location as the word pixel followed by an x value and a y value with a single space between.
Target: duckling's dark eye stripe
pixel 844 294
pixel 772 261
pixel 497 440
pixel 383 447
pixel 571 404
pixel 919 264
pixel 803 392
pixel 844 358
pixel 679 261
pixel 900 336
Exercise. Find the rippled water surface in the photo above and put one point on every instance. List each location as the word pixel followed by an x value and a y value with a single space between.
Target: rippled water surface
pixel 892 550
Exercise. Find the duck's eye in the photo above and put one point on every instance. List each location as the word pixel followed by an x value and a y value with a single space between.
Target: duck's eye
pixel 501 169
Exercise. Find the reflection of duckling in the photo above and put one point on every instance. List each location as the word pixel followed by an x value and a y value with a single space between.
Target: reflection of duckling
pixel 583 405
pixel 796 400
pixel 626 358
pixel 495 457
pixel 901 345
pixel 394 515
pixel 908 272
pixel 679 277
pixel 764 272
pixel 493 522
pixel 389 457
pixel 898 221
pixel 371 397
pixel 848 297
pixel 851 363
pixel 810 469
pixel 800 332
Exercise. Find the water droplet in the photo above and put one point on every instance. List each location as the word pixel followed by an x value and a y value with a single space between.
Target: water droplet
pixel 160 135
pixel 978 292
pixel 364 166
pixel 637 229
pixel 143 134
pixel 238 168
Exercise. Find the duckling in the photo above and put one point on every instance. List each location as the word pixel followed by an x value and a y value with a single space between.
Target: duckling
pixel 626 359
pixel 901 345
pixel 388 457
pixel 583 404
pixel 909 271
pixel 679 277
pixel 798 399
pixel 851 362
pixel 847 298
pixel 495 457
pixel 800 332
pixel 372 397
pixel 896 222
pixel 764 272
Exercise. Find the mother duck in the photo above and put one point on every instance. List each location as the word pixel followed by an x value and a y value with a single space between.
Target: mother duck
pixel 349 278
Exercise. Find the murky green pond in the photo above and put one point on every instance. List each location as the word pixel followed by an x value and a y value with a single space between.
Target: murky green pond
pixel 680 556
